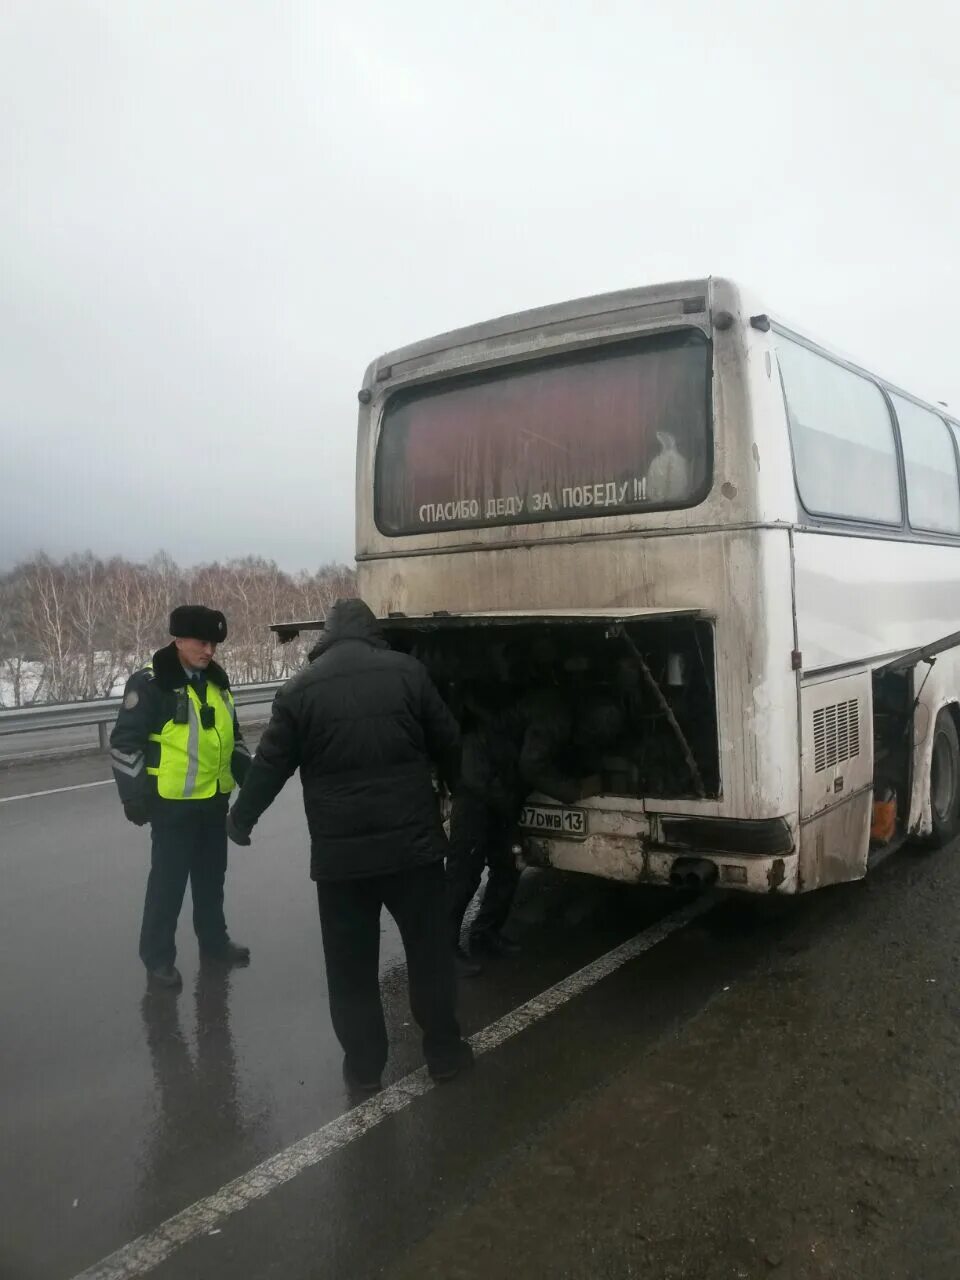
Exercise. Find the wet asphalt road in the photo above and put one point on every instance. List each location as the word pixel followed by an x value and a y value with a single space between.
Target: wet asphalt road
pixel 769 1091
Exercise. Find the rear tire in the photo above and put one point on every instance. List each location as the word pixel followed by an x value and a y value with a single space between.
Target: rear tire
pixel 945 781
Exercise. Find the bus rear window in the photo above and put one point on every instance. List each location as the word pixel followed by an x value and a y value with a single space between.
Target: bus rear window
pixel 612 430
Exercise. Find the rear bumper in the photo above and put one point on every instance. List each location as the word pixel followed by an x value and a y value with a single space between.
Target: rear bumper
pixel 637 851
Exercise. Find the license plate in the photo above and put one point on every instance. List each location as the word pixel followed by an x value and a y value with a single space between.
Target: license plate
pixel 554 820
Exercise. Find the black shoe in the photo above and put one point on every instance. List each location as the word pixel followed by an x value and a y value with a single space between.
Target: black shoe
pixel 448 1068
pixel 494 944
pixel 466 966
pixel 166 975
pixel 228 953
pixel 357 1084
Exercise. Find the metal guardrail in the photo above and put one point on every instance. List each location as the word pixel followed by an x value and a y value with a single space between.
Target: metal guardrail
pixel 103 711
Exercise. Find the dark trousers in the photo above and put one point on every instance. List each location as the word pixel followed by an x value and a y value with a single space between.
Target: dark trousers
pixel 193 847
pixel 350 920
pixel 479 836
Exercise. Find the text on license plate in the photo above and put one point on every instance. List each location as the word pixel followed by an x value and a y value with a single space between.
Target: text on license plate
pixel 547 819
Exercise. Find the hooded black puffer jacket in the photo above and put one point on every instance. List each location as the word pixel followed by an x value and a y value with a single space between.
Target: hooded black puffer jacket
pixel 366 727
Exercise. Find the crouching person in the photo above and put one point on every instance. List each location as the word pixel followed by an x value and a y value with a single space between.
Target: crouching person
pixel 541 741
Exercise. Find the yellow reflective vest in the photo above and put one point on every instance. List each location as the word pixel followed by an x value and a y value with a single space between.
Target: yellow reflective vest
pixel 194 761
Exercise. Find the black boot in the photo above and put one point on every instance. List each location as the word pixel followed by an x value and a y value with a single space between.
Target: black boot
pixel 357 1084
pixel 447 1068
pixel 230 953
pixel 166 975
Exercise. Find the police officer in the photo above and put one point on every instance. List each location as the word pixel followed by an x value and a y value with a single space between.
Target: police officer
pixel 176 750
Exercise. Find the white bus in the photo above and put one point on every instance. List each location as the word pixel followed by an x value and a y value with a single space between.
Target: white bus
pixel 668 495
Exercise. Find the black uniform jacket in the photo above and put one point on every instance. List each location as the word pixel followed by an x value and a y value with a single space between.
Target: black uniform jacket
pixel 365 726
pixel 149 701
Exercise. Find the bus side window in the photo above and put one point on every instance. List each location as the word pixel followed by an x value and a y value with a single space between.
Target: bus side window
pixel 844 447
pixel 933 499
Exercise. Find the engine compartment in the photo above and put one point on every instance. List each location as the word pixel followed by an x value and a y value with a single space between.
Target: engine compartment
pixel 652 684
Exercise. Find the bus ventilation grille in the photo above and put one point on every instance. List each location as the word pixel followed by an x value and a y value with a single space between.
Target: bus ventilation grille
pixel 836 734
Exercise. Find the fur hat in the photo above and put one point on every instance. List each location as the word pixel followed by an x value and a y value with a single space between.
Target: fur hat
pixel 197 622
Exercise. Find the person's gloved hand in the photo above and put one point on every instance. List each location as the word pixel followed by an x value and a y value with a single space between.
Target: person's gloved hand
pixel 238 835
pixel 137 812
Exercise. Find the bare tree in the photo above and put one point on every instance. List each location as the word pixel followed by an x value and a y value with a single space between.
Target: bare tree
pixel 15 691
pixel 78 628
pixel 46 631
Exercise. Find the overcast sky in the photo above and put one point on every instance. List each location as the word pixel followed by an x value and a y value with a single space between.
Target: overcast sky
pixel 213 215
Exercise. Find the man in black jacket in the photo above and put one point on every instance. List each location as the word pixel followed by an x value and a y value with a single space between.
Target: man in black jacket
pixel 176 749
pixel 365 726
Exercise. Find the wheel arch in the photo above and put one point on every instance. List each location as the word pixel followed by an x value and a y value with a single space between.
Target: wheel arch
pixel 924 722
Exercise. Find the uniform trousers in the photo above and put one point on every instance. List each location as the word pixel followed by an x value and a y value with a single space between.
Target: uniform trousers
pixel 189 843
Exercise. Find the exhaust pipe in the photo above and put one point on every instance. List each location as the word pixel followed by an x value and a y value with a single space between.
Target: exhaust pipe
pixel 693 873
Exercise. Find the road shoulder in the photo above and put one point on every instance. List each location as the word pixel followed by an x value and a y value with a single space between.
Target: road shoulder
pixel 803 1125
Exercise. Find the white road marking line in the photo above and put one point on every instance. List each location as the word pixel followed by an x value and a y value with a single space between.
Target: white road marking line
pixel 55 791
pixel 204 1216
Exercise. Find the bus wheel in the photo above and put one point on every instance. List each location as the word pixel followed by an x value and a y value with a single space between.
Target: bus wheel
pixel 945 780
